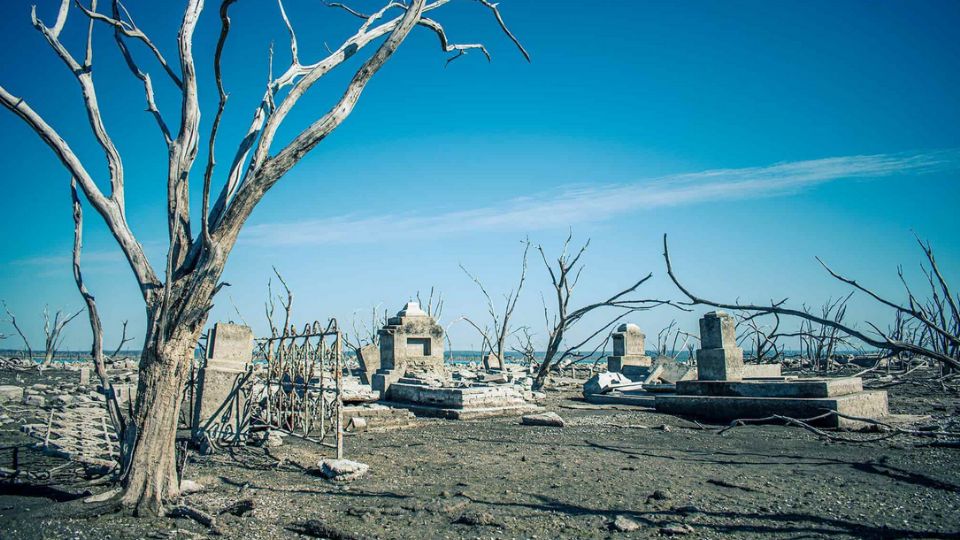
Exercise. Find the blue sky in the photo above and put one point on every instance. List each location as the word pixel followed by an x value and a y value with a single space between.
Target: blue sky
pixel 756 134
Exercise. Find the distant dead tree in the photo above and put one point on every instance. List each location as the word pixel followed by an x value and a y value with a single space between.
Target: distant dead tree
pixel 764 340
pixel 525 348
pixel 563 318
pixel 496 331
pixel 23 337
pixel 52 333
pixel 270 307
pixel 669 344
pixel 179 298
pixel 365 334
pixel 936 318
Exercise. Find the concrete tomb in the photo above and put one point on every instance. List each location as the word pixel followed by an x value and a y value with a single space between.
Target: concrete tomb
pixel 412 341
pixel 628 348
pixel 722 392
pixel 412 374
pixel 719 358
pixel 229 352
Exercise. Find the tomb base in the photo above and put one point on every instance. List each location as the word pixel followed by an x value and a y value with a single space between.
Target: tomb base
pixel 728 408
pixel 617 363
pixel 375 418
pixel 458 403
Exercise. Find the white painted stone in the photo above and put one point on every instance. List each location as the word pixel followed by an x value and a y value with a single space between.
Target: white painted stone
pixel 342 470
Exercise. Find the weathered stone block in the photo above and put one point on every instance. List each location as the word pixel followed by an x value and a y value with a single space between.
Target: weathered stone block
pixel 718 330
pixel 617 363
pixel 628 340
pixel 369 358
pixel 725 364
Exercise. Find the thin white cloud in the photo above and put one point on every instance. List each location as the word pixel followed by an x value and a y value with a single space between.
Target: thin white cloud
pixel 106 257
pixel 574 205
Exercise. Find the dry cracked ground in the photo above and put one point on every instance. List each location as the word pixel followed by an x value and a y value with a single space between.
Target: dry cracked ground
pixel 609 473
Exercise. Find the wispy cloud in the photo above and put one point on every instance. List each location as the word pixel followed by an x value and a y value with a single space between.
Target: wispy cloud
pixel 575 205
pixel 65 260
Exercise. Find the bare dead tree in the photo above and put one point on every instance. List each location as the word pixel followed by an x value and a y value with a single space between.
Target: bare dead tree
pixel 53 333
pixel 23 337
pixel 764 339
pixel 96 327
pixel 495 333
pixel 669 344
pixel 178 299
pixel 525 348
pixel 938 320
pixel 564 279
pixel 270 306
pixel 433 308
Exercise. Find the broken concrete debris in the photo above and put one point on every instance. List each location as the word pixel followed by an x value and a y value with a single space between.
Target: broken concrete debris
pixel 342 470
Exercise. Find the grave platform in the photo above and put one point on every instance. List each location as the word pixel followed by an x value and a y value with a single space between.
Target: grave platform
pixel 786 387
pixel 458 403
pixel 728 408
pixel 376 418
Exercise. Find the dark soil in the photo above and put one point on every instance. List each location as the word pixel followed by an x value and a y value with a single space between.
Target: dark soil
pixel 497 479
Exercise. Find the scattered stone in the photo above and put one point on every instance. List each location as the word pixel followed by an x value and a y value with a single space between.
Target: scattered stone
pixel 11 393
pixel 239 508
pixel 478 519
pixel 318 529
pixel 273 440
pixel 63 400
pixel 676 529
pixel 549 419
pixel 34 401
pixel 659 495
pixel 688 509
pixel 342 470
pixel 357 424
pixel 189 486
pixel 624 524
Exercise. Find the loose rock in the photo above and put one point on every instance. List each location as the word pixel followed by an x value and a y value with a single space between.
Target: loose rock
pixel 550 419
pixel 342 470
pixel 624 524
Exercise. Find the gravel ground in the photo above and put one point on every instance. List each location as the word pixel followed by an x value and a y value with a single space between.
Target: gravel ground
pixel 610 473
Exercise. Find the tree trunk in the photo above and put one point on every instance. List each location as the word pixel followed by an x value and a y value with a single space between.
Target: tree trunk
pixel 150 468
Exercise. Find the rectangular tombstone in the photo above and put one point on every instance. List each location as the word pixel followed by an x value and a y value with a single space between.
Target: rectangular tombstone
pixel 229 352
pixel 492 362
pixel 369 359
pixel 718 330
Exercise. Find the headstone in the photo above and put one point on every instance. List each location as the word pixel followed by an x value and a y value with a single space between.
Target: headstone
pixel 492 362
pixel 628 348
pixel 85 375
pixel 229 351
pixel 719 358
pixel 369 359
pixel 412 341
